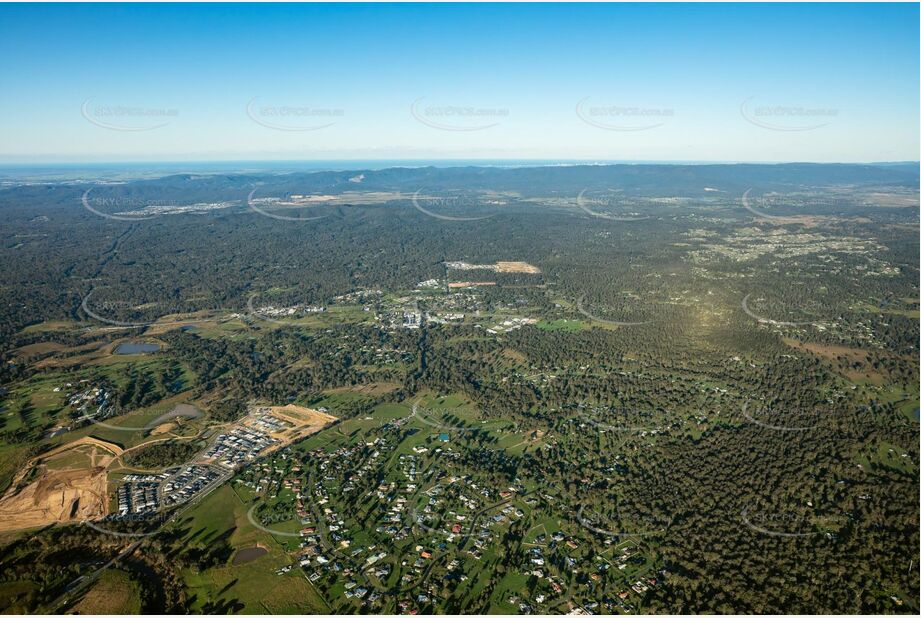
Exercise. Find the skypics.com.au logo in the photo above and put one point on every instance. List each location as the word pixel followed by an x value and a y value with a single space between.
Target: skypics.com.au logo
pixel 625 118
pixel 292 118
pixel 127 118
pixel 462 118
pixel 786 118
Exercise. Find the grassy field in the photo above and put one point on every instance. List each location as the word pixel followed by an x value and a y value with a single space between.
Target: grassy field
pixel 45 327
pixel 511 584
pixel 903 307
pixel 251 587
pixel 889 456
pixel 33 402
pixel 905 400
pixel 113 593
pixel 12 458
pixel 11 592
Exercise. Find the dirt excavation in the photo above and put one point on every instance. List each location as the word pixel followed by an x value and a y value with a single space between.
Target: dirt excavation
pixel 63 485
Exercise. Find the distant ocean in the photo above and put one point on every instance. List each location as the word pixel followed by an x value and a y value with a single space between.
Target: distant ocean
pixel 16 173
pixel 61 172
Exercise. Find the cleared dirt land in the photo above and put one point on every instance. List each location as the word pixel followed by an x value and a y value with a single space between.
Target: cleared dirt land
pixel 470 284
pixel 517 267
pixel 306 421
pixel 67 484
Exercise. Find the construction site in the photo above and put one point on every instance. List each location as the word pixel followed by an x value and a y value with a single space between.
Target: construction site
pixel 66 484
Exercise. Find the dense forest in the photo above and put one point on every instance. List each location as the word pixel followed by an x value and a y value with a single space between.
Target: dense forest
pixel 704 369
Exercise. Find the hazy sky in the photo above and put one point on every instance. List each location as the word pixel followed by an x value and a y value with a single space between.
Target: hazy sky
pixel 756 82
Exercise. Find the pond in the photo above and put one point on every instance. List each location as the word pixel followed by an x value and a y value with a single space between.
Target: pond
pixel 136 347
pixel 248 554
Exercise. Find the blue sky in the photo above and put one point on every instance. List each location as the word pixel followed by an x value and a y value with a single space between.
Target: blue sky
pixel 746 82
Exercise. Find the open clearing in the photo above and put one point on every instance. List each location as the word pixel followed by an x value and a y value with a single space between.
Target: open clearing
pixel 853 363
pixel 372 388
pixel 517 267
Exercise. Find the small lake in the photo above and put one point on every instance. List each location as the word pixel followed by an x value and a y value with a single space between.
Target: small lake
pixel 248 554
pixel 137 347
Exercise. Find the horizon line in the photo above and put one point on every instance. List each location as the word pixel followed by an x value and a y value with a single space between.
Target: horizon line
pixel 418 161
